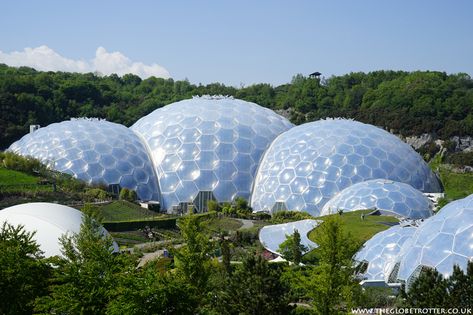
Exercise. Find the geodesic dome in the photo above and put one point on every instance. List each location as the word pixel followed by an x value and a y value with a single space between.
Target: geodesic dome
pixel 381 250
pixel 440 242
pixel 208 147
pixel 308 164
pixel 386 196
pixel 49 220
pixel 95 151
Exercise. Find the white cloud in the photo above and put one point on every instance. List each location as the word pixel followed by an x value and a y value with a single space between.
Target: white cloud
pixel 45 59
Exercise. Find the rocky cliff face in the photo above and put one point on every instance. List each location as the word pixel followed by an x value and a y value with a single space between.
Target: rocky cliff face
pixel 456 143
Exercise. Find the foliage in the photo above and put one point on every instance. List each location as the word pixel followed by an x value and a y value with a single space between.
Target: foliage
pixel 253 288
pixel 86 273
pixel 374 297
pixel 456 185
pixel 24 274
pixel 93 212
pixel 152 291
pixel 428 290
pixel 193 259
pixel 212 205
pixel 92 194
pixel 292 249
pixel 460 159
pixel 238 208
pixel 26 165
pixel 405 102
pixel 431 289
pixel 331 284
pixel 289 216
pixel 128 195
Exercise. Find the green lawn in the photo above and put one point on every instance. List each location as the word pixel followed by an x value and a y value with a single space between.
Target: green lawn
pixel 121 210
pixel 14 181
pixel 361 230
pixel 10 177
pixel 215 224
pixel 456 185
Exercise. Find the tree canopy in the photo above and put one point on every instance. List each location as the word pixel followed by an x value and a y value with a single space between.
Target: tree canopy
pixel 406 102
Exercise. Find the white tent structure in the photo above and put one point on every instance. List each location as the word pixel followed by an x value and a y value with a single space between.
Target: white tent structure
pixel 272 236
pixel 49 220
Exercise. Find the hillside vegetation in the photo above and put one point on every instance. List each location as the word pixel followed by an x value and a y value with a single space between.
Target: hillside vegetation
pixel 405 102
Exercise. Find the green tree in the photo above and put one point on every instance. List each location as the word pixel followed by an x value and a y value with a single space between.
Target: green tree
pixel 193 259
pixel 92 211
pixel 226 253
pixel 292 249
pixel 84 277
pixel 151 291
pixel 253 288
pixel 212 206
pixel 459 288
pixel 428 290
pixel 24 274
pixel 128 195
pixel 331 284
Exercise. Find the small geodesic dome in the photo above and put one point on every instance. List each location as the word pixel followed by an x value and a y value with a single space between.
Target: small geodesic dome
pixel 440 242
pixel 386 196
pixel 95 151
pixel 374 259
pixel 307 165
pixel 208 147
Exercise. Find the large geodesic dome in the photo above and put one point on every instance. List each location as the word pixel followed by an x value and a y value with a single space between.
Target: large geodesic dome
pixel 49 221
pixel 208 147
pixel 308 164
pixel 440 242
pixel 379 252
pixel 386 196
pixel 95 151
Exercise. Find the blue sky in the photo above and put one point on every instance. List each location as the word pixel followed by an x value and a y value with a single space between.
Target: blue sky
pixel 241 42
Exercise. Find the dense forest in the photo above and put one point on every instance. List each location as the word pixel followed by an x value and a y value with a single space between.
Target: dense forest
pixel 409 103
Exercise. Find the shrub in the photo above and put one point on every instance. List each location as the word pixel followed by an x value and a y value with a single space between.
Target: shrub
pixel 128 195
pixel 27 165
pixel 96 193
pixel 289 216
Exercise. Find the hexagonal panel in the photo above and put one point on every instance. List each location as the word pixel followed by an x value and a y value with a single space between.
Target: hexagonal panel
pixel 224 130
pixel 96 151
pixel 336 153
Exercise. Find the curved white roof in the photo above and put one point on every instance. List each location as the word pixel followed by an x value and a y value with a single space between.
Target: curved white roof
pixel 307 165
pixel 272 236
pixel 208 144
pixel 49 220
pixel 389 197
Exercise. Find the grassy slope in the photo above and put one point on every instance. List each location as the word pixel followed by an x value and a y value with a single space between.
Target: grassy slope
pixel 121 210
pixel 361 230
pixel 10 177
pixel 221 224
pixel 456 185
